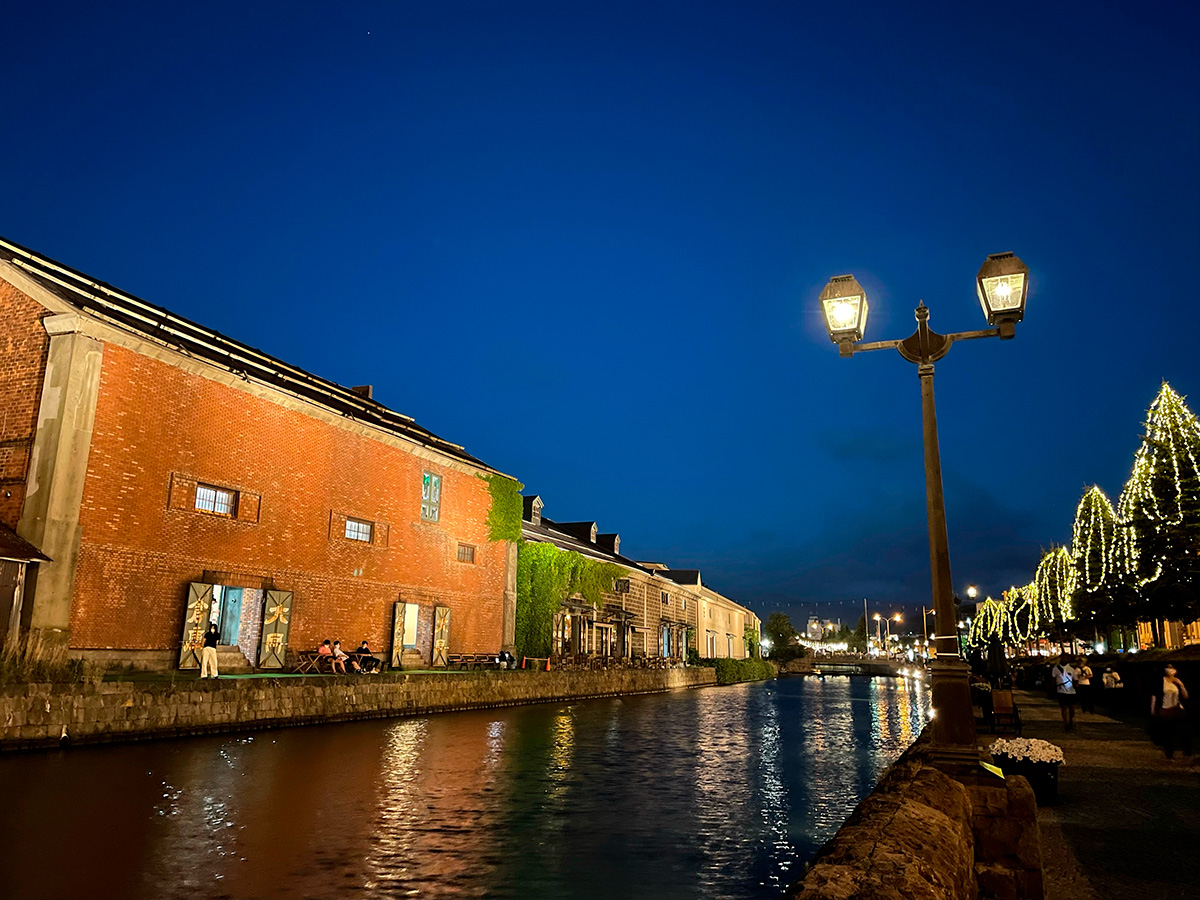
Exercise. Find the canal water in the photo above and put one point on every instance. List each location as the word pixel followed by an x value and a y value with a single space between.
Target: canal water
pixel 713 793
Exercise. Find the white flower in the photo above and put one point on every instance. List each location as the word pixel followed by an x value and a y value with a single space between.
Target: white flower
pixel 1030 749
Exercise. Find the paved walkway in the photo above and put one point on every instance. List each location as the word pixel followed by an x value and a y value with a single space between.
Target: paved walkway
pixel 1127 821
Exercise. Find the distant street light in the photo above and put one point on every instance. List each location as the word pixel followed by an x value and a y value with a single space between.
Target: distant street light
pixel 972 591
pixel 895 617
pixel 1002 286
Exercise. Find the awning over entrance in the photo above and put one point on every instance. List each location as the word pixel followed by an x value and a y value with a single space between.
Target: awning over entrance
pixel 15 547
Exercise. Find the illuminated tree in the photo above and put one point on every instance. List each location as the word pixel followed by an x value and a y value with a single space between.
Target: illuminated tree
pixel 1160 511
pixel 1054 582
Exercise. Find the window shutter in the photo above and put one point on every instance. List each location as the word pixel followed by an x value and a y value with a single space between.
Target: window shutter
pixel 195 623
pixel 248 504
pixel 397 633
pixel 182 493
pixel 337 525
pixel 277 615
pixel 441 635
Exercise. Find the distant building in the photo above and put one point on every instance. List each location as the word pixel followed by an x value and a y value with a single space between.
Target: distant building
pixel 815 630
pixel 654 611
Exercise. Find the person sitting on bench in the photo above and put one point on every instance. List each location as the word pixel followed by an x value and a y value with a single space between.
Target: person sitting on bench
pixel 340 658
pixel 368 662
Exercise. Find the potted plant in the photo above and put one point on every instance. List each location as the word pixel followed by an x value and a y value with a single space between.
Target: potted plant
pixel 1037 760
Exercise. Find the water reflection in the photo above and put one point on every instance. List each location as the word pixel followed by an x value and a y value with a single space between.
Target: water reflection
pixel 706 794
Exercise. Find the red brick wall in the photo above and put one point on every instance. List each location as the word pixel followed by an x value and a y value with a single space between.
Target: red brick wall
pixel 139 549
pixel 23 347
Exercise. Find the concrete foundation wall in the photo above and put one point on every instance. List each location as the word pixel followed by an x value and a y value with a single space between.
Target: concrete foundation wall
pixel 923 833
pixel 35 715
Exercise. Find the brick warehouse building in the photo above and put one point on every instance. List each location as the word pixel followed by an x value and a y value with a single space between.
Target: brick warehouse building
pixel 173 476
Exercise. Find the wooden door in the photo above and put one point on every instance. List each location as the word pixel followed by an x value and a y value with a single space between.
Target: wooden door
pixel 11 576
pixel 277 614
pixel 441 635
pixel 195 623
pixel 397 633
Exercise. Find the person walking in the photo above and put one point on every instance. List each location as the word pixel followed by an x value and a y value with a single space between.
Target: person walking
pixel 1169 715
pixel 1083 686
pixel 208 654
pixel 1064 676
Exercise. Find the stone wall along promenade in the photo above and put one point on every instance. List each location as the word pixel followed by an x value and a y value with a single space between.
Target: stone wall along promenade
pixel 34 715
pixel 921 833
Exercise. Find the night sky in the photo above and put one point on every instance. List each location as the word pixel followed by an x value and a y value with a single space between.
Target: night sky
pixel 586 242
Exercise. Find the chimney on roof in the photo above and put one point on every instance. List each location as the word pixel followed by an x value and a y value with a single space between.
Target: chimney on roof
pixel 610 542
pixel 363 390
pixel 532 509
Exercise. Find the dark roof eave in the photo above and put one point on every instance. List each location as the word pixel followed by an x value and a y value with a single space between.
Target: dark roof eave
pixel 158 324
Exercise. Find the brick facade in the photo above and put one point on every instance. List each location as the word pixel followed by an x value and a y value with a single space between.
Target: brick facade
pixel 23 346
pixel 155 423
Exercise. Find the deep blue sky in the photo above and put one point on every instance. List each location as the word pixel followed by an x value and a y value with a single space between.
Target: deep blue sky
pixel 586 240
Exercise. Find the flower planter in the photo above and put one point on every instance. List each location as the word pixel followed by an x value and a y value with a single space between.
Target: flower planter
pixel 1042 776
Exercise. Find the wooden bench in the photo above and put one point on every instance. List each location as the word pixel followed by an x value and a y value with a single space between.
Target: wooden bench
pixel 472 661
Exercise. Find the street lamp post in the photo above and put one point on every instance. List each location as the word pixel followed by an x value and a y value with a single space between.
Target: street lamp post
pixel 887 647
pixel 878 630
pixel 1002 285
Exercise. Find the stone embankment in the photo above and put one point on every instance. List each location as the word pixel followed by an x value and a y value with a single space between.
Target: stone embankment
pixel 36 715
pixel 922 833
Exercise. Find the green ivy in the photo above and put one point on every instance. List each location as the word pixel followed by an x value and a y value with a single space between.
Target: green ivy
pixel 546 576
pixel 504 518
pixel 752 640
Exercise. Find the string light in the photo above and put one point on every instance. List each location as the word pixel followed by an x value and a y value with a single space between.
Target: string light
pixel 1054 582
pixel 1092 540
pixel 1162 490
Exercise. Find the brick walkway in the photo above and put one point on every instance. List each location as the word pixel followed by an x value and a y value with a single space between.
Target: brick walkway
pixel 1127 821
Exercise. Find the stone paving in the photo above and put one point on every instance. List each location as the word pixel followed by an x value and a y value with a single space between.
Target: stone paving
pixel 1127 820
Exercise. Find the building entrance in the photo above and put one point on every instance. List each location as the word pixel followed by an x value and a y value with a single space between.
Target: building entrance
pixel 227 613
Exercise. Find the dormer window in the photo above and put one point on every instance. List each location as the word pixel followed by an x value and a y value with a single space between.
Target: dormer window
pixel 593 533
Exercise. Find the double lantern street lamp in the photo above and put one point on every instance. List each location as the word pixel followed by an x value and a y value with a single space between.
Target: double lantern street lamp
pixel 1002 286
pixel 887 620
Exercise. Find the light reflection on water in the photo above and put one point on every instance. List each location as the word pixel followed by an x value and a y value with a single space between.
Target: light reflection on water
pixel 716 793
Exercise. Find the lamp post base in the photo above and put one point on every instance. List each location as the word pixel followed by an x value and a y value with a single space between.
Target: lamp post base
pixel 954 740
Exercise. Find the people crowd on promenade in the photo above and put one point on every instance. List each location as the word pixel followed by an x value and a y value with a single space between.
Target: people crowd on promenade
pixel 1073 682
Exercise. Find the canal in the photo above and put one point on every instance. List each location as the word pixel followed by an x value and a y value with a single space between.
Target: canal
pixel 712 793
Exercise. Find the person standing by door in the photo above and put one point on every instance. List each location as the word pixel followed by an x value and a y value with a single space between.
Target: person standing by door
pixel 208 655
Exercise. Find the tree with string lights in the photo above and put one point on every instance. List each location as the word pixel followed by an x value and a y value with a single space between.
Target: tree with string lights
pixel 1098 581
pixel 1159 511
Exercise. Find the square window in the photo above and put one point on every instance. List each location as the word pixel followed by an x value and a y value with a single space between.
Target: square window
pixel 431 496
pixel 466 553
pixel 359 530
pixel 215 500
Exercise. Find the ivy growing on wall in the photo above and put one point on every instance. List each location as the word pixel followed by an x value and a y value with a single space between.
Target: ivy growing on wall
pixel 546 576
pixel 504 518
